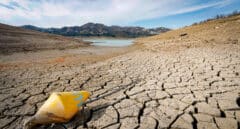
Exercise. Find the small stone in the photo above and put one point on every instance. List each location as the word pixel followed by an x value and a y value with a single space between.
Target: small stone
pixel 183 34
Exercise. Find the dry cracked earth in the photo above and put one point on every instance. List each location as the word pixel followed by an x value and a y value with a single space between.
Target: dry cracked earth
pixel 188 89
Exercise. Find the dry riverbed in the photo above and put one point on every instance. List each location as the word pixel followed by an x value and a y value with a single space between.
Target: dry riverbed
pixel 180 82
pixel 197 87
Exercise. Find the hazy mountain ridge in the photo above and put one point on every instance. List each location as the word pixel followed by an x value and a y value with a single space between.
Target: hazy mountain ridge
pixel 96 29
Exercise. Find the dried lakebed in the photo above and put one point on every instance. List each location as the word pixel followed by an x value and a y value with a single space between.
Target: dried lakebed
pixel 192 88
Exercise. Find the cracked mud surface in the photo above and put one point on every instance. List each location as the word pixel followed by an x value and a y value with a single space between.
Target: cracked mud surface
pixel 193 88
pixel 186 82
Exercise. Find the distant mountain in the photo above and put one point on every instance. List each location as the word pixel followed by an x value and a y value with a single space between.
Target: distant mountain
pixel 96 29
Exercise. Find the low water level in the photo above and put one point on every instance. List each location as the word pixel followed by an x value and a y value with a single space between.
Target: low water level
pixel 110 42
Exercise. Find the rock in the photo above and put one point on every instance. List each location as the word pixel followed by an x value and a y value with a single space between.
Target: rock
pixel 183 34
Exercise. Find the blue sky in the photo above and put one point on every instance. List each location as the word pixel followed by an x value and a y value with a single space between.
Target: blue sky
pixel 145 13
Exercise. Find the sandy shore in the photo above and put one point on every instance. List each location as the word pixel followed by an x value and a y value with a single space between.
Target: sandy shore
pixel 196 84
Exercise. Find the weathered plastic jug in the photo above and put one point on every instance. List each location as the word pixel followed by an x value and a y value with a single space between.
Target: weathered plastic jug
pixel 59 107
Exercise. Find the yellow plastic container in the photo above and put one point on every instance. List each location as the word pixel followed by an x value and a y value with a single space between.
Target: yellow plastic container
pixel 59 107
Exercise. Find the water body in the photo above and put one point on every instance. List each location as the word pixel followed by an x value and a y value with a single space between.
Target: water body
pixel 110 42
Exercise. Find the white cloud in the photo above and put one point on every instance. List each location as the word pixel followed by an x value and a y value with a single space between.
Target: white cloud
pixel 57 13
pixel 199 7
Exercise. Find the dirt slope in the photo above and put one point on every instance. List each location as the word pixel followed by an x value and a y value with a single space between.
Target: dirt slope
pixel 214 32
pixel 15 39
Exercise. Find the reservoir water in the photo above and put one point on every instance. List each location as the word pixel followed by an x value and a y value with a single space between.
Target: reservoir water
pixel 110 42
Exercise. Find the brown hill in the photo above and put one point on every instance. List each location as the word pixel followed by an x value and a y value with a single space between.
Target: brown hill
pixel 213 32
pixel 15 39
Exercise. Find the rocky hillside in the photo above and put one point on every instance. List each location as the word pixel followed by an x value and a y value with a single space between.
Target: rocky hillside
pixel 16 39
pixel 92 29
